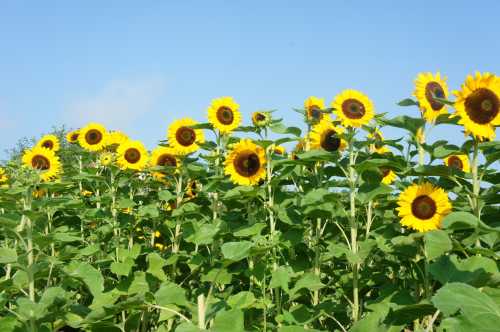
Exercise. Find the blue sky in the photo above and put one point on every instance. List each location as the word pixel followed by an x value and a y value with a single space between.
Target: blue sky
pixel 137 66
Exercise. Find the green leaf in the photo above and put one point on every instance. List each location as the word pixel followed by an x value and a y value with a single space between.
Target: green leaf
pixel 8 255
pixel 296 328
pixel 460 220
pixel 475 270
pixel 236 251
pixel 203 234
pixel 309 281
pixel 281 278
pixel 252 230
pixel 405 122
pixel 155 265
pixel 150 210
pixel 408 102
pixel 444 151
pixel 229 321
pixel 279 128
pixel 368 191
pixel 165 195
pixel 241 300
pixel 88 274
pixel 125 203
pixel 437 242
pixel 170 293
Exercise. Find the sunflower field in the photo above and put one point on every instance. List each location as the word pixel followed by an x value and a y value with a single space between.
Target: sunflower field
pixel 228 227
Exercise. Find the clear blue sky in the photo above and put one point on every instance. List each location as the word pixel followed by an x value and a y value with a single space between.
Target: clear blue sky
pixel 137 66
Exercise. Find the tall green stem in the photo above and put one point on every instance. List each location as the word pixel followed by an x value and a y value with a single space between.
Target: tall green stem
pixel 29 248
pixel 476 184
pixel 354 231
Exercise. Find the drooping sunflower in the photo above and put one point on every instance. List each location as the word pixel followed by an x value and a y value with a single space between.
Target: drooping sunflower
pixel 224 114
pixel 132 155
pixel 427 87
pixel 44 160
pixel 106 158
pixel 313 107
pixel 325 135
pixel 353 108
pixel 245 163
pixel 261 119
pixel 422 207
pixel 279 150
pixel 378 146
pixel 183 138
pixel 72 136
pixel 458 161
pixel 50 142
pixel 388 175
pixel 92 137
pixel 478 105
pixel 163 156
pixel 115 138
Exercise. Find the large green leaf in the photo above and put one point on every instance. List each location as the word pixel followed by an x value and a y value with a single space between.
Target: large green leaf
pixel 236 251
pixel 437 242
pixel 8 255
pixel 229 321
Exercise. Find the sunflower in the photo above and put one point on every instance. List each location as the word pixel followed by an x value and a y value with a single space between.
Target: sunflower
pixel 50 142
pixel 183 138
pixel 223 114
pixel 325 135
pixel 388 175
pixel 313 107
pixel 261 119
pixel 378 145
pixel 353 108
pixel 427 87
pixel 132 155
pixel 38 192
pixel 192 189
pixel 478 105
pixel 458 161
pixel 280 150
pixel 422 207
pixel 44 160
pixel 164 156
pixel 72 136
pixel 106 158
pixel 3 176
pixel 115 138
pixel 245 163
pixel 92 137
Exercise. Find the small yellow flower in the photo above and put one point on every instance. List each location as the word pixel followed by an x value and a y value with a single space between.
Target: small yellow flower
pixel 261 119
pixel 458 161
pixel 50 142
pixel 353 108
pixel 224 115
pixel 280 150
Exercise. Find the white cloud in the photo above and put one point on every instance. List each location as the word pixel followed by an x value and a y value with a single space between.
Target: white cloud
pixel 118 105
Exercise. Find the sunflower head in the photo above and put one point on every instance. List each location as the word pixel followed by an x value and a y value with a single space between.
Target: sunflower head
pixel 314 107
pixel 353 108
pixel 224 115
pixel 164 156
pixel 193 188
pixel 279 150
pixel 458 161
pixel 72 136
pixel 132 155
pixel 184 139
pixel 478 105
pixel 106 158
pixel 378 142
pixel 114 138
pixel 43 160
pixel 423 207
pixel 50 142
pixel 388 175
pixel 245 163
pixel 325 135
pixel 92 137
pixel 261 119
pixel 427 87
pixel 3 176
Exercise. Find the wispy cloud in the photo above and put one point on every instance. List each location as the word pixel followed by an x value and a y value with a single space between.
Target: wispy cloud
pixel 118 104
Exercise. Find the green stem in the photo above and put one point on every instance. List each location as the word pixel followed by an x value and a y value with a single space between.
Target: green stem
pixel 476 183
pixel 317 259
pixel 31 260
pixel 354 232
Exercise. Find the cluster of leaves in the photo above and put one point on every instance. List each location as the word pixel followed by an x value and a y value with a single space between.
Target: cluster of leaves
pixel 111 250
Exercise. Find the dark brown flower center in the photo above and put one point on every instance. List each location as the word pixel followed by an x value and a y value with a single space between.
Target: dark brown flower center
pixel 330 141
pixel 185 136
pixel 93 136
pixel 48 144
pixel 74 137
pixel 225 115
pixel 455 162
pixel 423 207
pixel 132 155
pixel 353 109
pixel 167 160
pixel 385 171
pixel 40 162
pixel 434 89
pixel 314 113
pixel 482 106
pixel 247 163
pixel 259 117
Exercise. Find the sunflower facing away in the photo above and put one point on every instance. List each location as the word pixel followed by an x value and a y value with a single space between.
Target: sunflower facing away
pixel 72 136
pixel 261 119
pixel 388 175
pixel 313 107
pixel 458 161
pixel 353 108
pixel 3 176
pixel 163 156
pixel 245 163
pixel 92 137
pixel 224 115
pixel 132 155
pixel 378 145
pixel 193 188
pixel 422 207
pixel 115 138
pixel 44 160
pixel 427 87
pixel 325 135
pixel 182 138
pixel 478 105
pixel 50 142
pixel 106 158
